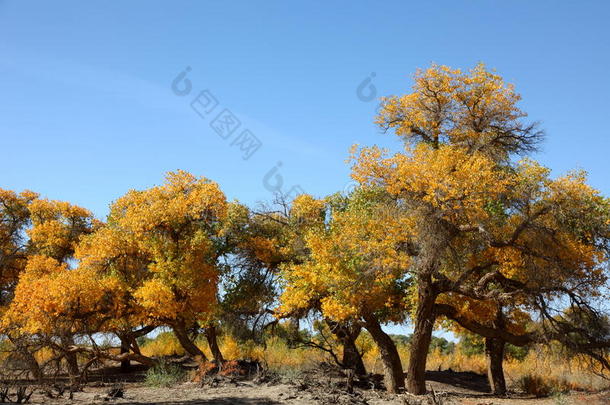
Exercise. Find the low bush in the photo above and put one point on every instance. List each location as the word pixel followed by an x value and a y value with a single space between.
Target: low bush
pixel 164 374
pixel 534 385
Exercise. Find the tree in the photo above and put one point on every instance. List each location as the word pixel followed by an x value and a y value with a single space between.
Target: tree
pixel 164 245
pixel 262 241
pixel 353 244
pixel 14 221
pixel 112 252
pixel 485 227
pixel 257 243
pixel 56 229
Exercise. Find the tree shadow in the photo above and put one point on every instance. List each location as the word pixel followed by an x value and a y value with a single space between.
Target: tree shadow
pixel 464 380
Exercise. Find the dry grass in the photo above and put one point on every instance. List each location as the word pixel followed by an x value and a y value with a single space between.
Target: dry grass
pixel 276 355
pixel 542 372
pixel 558 372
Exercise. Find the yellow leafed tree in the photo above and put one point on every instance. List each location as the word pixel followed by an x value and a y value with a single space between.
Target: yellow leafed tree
pixel 485 227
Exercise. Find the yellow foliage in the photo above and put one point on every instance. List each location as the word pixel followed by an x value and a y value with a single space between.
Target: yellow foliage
pixel 162 243
pixel 164 344
pixel 57 227
pixel 448 105
pixel 450 179
pixel 51 297
pixel 353 264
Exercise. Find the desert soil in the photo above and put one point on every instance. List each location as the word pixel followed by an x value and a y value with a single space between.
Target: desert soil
pixel 250 393
pixel 324 385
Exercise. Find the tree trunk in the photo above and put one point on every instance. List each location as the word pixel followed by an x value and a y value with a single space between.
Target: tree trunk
pixel 71 357
pixel 422 335
pixel 210 334
pixel 33 365
pixel 72 361
pixel 347 335
pixel 186 343
pixel 28 357
pixel 147 361
pixel 134 345
pixel 392 367
pixel 125 364
pixel 351 356
pixel 494 352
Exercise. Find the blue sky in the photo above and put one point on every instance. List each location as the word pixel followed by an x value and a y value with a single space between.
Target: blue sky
pixel 87 110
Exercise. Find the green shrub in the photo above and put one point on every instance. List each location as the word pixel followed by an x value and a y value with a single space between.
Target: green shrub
pixel 164 374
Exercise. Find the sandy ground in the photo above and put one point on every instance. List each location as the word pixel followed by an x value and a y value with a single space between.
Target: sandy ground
pixel 249 393
pixel 322 385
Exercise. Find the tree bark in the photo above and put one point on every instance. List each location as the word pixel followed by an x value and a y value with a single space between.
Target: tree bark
pixel 422 335
pixel 347 335
pixel 211 336
pixel 394 376
pixel 71 357
pixel 72 362
pixel 33 365
pixel 126 363
pixel 494 352
pixel 147 361
pixel 28 357
pixel 186 343
pixel 351 356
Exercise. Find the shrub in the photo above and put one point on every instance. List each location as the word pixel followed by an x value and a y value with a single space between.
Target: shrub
pixel 533 385
pixel 164 374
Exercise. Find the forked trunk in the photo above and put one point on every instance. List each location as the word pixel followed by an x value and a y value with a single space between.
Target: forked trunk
pixel 186 342
pixel 494 352
pixel 347 335
pixel 420 342
pixel 392 367
pixel 211 336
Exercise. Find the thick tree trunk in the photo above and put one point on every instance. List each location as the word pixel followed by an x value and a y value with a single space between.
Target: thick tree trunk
pixel 420 342
pixel 186 343
pixel 351 356
pixel 125 364
pixel 347 335
pixel 394 376
pixel 129 343
pixel 210 335
pixel 494 352
pixel 72 361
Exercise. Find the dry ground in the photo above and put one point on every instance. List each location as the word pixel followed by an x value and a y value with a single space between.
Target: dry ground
pixel 323 386
pixel 248 393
